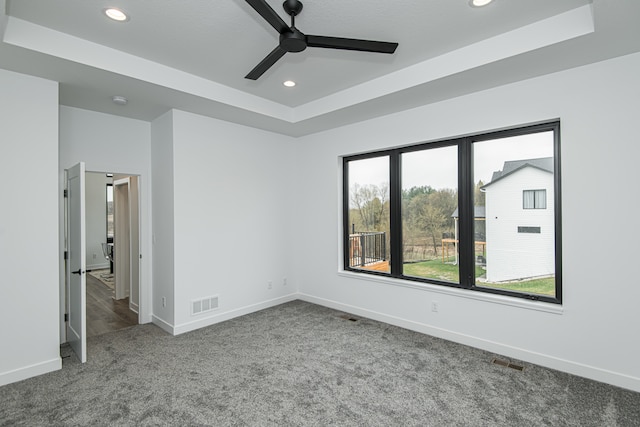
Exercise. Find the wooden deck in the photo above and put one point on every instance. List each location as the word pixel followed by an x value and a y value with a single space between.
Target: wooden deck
pixel 378 266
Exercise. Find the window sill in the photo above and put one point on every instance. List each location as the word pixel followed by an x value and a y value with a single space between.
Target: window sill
pixel 461 293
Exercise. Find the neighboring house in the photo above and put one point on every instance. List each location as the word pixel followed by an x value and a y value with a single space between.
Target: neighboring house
pixel 520 220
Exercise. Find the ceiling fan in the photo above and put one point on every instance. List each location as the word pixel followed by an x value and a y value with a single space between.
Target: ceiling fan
pixel 293 40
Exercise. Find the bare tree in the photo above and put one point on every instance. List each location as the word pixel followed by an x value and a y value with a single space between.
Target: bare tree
pixel 371 203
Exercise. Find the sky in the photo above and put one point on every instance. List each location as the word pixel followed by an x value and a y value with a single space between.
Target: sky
pixel 438 167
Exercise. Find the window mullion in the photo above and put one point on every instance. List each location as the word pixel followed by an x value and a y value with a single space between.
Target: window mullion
pixel 465 203
pixel 395 214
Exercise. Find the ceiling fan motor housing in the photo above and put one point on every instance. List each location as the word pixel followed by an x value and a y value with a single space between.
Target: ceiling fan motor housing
pixel 293 41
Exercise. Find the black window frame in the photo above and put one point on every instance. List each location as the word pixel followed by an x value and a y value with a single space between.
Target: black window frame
pixel 465 208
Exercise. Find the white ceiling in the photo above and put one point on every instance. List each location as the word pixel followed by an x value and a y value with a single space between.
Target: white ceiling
pixel 193 54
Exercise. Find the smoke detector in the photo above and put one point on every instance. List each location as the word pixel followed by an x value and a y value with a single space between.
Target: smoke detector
pixel 120 100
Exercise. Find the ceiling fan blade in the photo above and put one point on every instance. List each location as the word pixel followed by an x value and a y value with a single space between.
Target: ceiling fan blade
pixel 351 44
pixel 266 63
pixel 269 15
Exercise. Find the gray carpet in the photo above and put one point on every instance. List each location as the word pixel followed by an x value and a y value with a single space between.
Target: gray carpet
pixel 299 364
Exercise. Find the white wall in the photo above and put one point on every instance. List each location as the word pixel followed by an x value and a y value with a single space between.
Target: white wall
pixel 114 144
pixel 163 228
pixel 29 312
pixel 232 218
pixel 96 219
pixel 512 255
pixel 591 334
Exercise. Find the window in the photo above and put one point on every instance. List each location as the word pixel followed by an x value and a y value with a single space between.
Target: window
pixel 368 214
pixel 447 213
pixel 534 230
pixel 429 197
pixel 110 213
pixel 534 199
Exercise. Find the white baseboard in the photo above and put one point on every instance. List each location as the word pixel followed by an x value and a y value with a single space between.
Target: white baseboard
pixel 98 267
pixel 586 371
pixel 221 317
pixel 165 326
pixel 134 307
pixel 30 371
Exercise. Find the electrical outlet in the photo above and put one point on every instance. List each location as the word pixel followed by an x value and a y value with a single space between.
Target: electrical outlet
pixel 95 256
pixel 434 306
pixel 164 301
pixel 270 285
pixel 284 282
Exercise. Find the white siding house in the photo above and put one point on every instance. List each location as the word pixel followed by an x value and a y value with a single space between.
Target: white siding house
pixel 520 221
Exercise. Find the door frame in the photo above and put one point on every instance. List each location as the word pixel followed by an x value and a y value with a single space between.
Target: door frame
pixel 122 239
pixel 144 286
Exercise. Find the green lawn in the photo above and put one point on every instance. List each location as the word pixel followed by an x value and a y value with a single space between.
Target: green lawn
pixel 435 269
pixel 545 286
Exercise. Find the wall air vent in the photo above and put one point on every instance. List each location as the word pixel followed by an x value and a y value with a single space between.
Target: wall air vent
pixel 507 364
pixel 204 305
pixel 349 317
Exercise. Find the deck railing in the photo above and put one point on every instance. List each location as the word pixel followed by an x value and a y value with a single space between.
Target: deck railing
pixel 367 247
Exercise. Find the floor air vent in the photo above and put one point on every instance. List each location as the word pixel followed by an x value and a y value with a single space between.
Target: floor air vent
pixel 507 364
pixel 203 305
pixel 349 317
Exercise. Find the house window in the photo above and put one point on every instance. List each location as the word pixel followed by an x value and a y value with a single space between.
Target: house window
pixel 534 199
pixel 446 213
pixel 533 230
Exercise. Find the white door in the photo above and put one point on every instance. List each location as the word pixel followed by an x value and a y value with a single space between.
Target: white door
pixel 76 263
pixel 122 237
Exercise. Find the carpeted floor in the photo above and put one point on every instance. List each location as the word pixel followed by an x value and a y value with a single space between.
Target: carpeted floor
pixel 299 364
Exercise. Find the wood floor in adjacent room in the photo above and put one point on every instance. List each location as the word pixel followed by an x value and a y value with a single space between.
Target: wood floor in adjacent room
pixel 105 314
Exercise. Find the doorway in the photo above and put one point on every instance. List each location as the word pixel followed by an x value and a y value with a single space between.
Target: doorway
pixel 112 248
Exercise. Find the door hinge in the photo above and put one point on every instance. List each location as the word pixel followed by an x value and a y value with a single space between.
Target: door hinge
pixel 66 255
pixel 65 193
pixel 66 317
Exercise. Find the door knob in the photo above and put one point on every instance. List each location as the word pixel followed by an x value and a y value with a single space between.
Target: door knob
pixel 77 272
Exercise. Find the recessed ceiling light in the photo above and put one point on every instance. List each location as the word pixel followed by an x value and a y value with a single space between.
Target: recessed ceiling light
pixel 120 100
pixel 116 14
pixel 479 3
pixel 289 83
